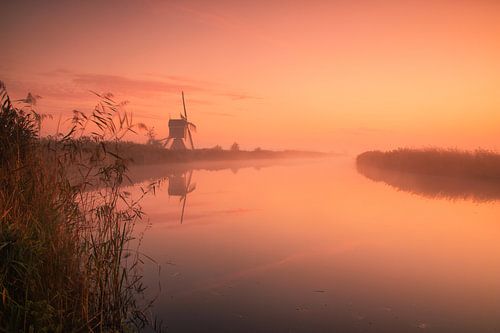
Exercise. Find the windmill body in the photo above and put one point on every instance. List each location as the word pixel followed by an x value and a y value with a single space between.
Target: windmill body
pixel 178 129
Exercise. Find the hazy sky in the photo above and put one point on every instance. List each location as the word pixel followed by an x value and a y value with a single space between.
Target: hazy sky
pixel 327 75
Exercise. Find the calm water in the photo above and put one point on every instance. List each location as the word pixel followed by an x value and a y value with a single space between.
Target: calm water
pixel 318 247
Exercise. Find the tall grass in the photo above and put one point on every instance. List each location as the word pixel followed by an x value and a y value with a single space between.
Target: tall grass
pixel 436 173
pixel 479 164
pixel 65 224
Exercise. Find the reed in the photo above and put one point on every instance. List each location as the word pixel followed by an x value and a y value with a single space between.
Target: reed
pixel 65 224
pixel 478 164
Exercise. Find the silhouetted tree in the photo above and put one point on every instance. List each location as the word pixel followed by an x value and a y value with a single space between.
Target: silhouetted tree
pixel 235 147
pixel 151 134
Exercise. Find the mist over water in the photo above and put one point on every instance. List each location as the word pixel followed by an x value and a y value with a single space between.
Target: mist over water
pixel 314 247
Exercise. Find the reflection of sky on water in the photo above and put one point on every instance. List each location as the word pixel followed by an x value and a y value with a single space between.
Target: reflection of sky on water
pixel 318 247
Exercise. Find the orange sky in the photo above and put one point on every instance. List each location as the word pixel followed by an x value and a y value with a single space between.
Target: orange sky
pixel 326 75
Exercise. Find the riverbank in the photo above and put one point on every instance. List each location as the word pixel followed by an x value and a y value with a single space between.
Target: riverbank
pixel 479 164
pixel 436 173
pixel 144 154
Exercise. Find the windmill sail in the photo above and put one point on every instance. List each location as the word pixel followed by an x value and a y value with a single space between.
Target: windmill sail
pixel 189 125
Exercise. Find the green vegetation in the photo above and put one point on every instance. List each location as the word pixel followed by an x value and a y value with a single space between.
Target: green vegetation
pixel 65 261
pixel 479 164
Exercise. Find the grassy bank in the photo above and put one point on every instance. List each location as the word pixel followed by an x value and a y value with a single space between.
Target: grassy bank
pixel 434 173
pixel 155 154
pixel 479 164
pixel 65 262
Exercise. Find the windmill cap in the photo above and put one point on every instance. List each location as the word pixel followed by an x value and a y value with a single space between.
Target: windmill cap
pixel 177 122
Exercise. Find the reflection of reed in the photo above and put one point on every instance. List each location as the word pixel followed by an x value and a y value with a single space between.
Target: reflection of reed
pixel 432 186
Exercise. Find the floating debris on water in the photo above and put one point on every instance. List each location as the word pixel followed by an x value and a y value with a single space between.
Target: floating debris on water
pixel 422 326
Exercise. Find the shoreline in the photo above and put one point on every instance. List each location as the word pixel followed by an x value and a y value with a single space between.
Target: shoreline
pixel 145 154
pixel 460 164
pixel 436 173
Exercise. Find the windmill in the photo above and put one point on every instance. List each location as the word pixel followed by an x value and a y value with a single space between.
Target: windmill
pixel 179 185
pixel 179 130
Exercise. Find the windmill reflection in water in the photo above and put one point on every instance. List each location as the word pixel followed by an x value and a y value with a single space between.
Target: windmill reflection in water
pixel 179 185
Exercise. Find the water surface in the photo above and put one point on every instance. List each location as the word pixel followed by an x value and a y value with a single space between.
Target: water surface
pixel 318 247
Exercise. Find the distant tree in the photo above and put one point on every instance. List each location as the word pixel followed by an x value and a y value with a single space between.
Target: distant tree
pixel 258 149
pixel 150 133
pixel 217 148
pixel 235 147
